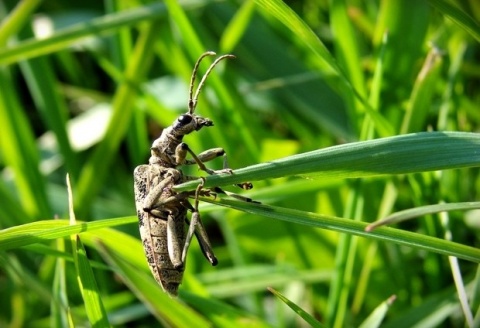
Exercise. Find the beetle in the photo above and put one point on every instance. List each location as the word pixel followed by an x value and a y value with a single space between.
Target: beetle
pixel 162 212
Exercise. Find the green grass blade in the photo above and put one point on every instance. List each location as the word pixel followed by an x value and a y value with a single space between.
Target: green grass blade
pixel 64 38
pixel 95 171
pixel 432 312
pixel 357 228
pixel 60 309
pixel 326 62
pixel 347 48
pixel 463 19
pixel 221 314
pixel 236 28
pixel 307 76
pixel 303 314
pixel 43 231
pixel 422 211
pixel 346 45
pixel 11 211
pixel 419 152
pixel 19 152
pixel 378 315
pixel 40 79
pixel 345 257
pixel 422 94
pixel 255 278
pixel 286 15
pixel 87 284
pixel 17 19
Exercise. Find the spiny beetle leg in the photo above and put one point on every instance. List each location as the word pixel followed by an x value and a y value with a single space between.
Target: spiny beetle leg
pixel 203 157
pixel 197 228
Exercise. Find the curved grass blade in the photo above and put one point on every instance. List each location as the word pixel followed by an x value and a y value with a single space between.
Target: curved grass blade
pixel 101 26
pixel 87 284
pixel 43 231
pixel 376 317
pixel 304 315
pixel 401 237
pixel 410 153
pixel 460 17
pixel 421 211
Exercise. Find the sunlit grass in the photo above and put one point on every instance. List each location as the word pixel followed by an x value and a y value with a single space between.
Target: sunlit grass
pixel 340 112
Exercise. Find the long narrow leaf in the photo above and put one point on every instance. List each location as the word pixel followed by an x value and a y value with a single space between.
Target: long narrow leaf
pixel 304 315
pixel 417 152
pixel 406 238
pixel 42 231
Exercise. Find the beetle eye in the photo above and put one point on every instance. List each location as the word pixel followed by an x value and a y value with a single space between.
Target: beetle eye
pixel 184 119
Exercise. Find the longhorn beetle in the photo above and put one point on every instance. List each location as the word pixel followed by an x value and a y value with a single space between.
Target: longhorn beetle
pixel 162 212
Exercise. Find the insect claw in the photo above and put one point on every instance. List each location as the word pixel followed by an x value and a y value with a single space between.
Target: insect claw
pixel 245 185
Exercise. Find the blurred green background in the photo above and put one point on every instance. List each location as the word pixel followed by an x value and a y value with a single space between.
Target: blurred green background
pixel 86 86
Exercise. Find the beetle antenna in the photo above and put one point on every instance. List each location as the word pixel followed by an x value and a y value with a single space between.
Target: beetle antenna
pixel 192 100
pixel 191 106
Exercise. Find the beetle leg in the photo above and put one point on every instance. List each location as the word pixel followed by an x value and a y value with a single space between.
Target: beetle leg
pixel 196 227
pixel 208 155
pixel 154 194
pixel 174 239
